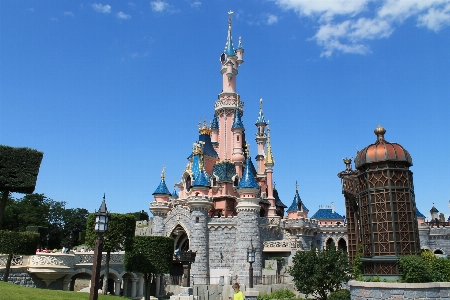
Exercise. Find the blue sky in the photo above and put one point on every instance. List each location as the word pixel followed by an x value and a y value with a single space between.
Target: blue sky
pixel 111 91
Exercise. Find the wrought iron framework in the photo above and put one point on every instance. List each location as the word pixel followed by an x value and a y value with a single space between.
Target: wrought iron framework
pixel 381 214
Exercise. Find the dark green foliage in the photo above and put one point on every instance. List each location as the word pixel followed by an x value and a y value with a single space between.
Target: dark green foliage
pixel 37 212
pixel 12 242
pixel 278 294
pixel 150 255
pixel 121 228
pixel 357 266
pixel 19 168
pixel 140 215
pixel 340 295
pixel 424 268
pixel 318 273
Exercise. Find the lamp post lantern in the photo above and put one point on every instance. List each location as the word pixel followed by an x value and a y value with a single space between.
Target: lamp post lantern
pixel 251 260
pixel 100 227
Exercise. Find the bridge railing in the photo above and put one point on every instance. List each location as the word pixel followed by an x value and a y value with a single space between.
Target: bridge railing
pixel 59 260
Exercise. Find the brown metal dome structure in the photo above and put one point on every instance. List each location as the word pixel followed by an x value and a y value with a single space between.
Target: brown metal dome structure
pixel 380 206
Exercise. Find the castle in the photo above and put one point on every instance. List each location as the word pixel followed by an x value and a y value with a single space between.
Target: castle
pixel 225 203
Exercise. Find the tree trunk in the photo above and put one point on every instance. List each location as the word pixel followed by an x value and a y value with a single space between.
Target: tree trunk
pixel 8 267
pixel 105 278
pixel 5 195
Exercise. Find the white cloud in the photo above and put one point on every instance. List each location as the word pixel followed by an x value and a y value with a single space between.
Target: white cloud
pixel 123 16
pixel 435 19
pixel 361 21
pixel 159 5
pixel 105 9
pixel 196 4
pixel 271 19
pixel 69 13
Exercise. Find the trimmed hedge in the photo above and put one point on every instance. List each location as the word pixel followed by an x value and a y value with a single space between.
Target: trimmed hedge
pixel 19 168
pixel 424 268
pixel 339 295
pixel 13 242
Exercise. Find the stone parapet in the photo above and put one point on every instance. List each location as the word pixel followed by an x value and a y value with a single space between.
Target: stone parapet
pixel 408 291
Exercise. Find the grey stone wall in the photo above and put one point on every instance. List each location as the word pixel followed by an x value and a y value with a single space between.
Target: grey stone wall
pixel 407 291
pixel 158 224
pixel 222 241
pixel 20 276
pixel 199 242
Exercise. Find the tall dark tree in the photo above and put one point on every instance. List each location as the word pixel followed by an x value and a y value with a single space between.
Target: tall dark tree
pixel 19 168
pixel 319 273
pixel 121 228
pixel 149 255
pixel 12 243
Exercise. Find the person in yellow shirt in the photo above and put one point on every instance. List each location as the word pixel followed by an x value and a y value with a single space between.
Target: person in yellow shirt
pixel 237 293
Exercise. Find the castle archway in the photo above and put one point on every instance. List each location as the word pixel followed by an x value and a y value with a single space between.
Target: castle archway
pixel 342 245
pixel 181 244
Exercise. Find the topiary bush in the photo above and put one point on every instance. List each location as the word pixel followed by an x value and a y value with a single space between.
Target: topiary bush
pixel 339 295
pixel 414 269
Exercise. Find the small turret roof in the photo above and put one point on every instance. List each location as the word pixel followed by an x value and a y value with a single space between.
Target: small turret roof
pixel 202 179
pixel 433 210
pixel 278 201
pixel 237 122
pixel 162 187
pixel 260 119
pixel 419 214
pixel 248 179
pixel 269 155
pixel 296 201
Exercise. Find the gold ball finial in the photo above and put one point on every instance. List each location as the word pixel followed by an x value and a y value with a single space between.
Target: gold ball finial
pixel 380 131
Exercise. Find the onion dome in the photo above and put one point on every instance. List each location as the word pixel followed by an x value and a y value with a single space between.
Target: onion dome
pixel 382 150
pixel 248 179
pixel 260 120
pixel 215 123
pixel 237 122
pixel 297 203
pixel 162 187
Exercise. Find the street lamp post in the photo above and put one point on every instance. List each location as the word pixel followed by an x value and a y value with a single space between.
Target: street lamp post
pixel 70 239
pixel 101 226
pixel 251 260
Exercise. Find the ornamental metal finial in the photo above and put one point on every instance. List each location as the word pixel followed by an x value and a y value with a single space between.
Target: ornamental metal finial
pixel 240 42
pixel 296 186
pixel 162 173
pixel 247 149
pixel 230 18
pixel 260 104
pixel 348 163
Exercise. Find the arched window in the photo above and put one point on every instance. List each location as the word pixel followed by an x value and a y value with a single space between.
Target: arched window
pixel 438 251
pixel 342 245
pixel 236 181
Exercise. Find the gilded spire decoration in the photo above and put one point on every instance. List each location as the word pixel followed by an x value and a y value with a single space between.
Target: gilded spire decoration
pixel 269 155
pixel 163 175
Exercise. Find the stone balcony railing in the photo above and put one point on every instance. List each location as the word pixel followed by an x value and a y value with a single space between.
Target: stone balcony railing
pixel 281 245
pixel 59 260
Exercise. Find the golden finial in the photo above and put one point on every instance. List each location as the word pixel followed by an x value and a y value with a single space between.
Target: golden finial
pixel 247 149
pixel 380 131
pixel 162 173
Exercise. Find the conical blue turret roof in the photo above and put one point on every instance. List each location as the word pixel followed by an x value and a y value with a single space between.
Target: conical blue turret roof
pixel 237 122
pixel 248 179
pixel 229 47
pixel 215 123
pixel 162 188
pixel 202 179
pixel 174 193
pixel 297 200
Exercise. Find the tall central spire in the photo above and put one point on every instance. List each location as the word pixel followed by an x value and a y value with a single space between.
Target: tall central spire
pixel 229 47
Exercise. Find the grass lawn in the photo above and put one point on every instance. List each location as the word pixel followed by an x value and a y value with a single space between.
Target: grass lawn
pixel 10 291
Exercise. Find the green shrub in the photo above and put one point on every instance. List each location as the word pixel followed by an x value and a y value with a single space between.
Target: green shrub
pixel 339 295
pixel 278 294
pixel 440 269
pixel 414 269
pixel 357 266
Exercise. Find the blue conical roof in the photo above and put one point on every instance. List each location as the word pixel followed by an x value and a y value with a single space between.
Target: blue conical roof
pixel 229 47
pixel 294 205
pixel 174 193
pixel 237 122
pixel 215 123
pixel 248 179
pixel 202 179
pixel 162 188
pixel 195 168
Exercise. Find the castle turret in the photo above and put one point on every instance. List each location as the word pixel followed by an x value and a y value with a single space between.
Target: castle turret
pixel 269 163
pixel 261 139
pixel 297 208
pixel 160 206
pixel 238 130
pixel 247 223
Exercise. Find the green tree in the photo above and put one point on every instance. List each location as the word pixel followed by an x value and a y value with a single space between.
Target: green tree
pixel 13 243
pixel 149 255
pixel 318 273
pixel 19 168
pixel 121 228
